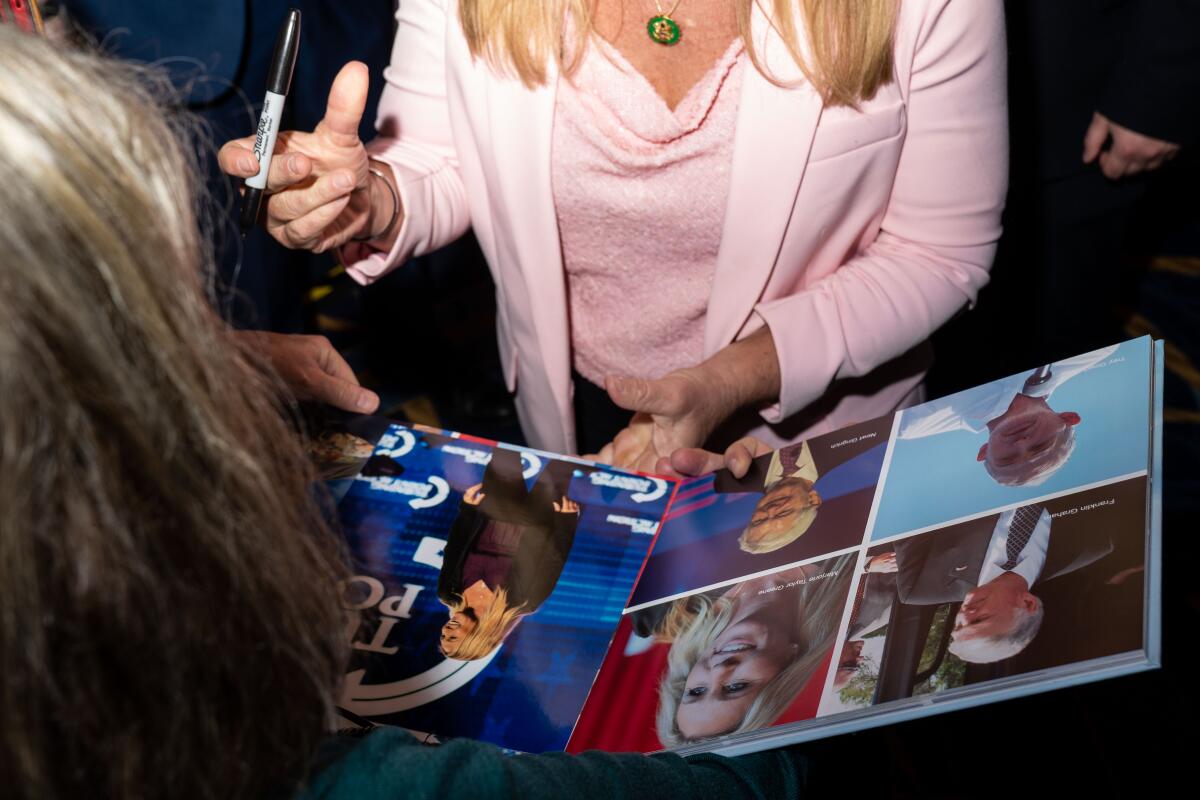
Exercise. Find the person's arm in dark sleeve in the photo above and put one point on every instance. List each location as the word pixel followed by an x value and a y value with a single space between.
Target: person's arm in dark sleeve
pixel 607 776
pixel 462 533
pixel 1155 87
pixel 388 763
pixel 538 568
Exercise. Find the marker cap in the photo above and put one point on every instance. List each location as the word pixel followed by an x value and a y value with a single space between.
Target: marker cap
pixel 283 60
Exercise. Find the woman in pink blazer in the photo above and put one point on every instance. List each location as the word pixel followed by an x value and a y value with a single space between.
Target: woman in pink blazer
pixel 851 219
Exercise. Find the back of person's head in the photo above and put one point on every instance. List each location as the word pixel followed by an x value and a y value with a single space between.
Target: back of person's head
pixel 987 649
pixel 170 623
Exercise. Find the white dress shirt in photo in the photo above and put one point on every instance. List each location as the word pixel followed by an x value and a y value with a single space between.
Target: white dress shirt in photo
pixel 971 410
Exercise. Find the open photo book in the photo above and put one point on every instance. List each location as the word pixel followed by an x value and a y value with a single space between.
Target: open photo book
pixel 994 543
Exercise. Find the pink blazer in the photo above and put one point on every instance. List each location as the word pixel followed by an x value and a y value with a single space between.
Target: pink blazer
pixel 853 234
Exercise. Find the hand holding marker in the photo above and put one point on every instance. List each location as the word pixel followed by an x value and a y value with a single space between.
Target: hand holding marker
pixel 279 81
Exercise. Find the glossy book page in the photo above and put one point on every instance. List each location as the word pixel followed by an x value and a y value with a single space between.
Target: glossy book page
pixel 991 543
pixel 488 583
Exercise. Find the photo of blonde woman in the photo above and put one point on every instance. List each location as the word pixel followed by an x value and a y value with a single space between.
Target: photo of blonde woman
pixel 740 656
pixel 505 552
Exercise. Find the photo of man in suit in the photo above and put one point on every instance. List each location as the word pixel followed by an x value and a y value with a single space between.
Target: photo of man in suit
pixel 991 566
pixel 794 485
pixel 809 499
pixel 1027 440
pixel 789 503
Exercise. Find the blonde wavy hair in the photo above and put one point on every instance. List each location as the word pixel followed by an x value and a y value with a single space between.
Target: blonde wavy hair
pixel 496 622
pixel 170 622
pixel 694 623
pixel 849 42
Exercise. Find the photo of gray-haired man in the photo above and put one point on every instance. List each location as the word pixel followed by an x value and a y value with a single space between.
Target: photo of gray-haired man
pixel 993 566
pixel 1027 439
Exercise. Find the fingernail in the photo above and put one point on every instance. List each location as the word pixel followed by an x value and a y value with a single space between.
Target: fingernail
pixel 294 164
pixel 343 182
pixel 366 402
pixel 247 164
pixel 619 384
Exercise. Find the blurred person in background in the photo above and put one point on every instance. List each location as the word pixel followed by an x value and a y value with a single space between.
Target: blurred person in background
pixel 1105 119
pixel 1112 96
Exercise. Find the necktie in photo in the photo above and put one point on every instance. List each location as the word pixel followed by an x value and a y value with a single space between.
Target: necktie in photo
pixel 1040 375
pixel 788 456
pixel 1019 530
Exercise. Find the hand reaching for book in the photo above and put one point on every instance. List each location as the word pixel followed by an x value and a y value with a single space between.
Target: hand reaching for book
pixel 678 410
pixel 312 369
pixel 681 409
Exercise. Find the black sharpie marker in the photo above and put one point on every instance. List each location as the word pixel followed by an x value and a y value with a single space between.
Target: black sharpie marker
pixel 279 81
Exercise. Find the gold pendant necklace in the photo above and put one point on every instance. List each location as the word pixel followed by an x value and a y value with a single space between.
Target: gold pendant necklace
pixel 662 28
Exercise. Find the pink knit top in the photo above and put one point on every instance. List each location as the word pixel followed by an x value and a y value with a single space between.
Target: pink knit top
pixel 640 193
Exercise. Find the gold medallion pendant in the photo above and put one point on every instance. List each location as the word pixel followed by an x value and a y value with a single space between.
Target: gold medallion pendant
pixel 664 30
